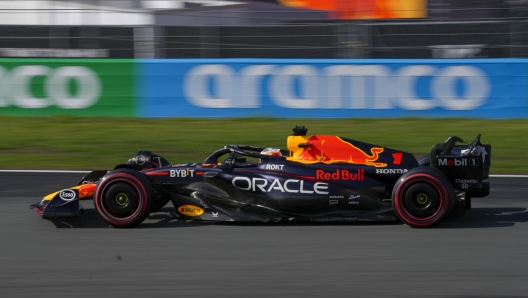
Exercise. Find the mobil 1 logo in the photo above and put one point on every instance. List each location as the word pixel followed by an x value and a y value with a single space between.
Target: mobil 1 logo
pixel 458 162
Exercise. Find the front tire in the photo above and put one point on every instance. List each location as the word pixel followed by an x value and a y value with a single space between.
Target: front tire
pixel 123 198
pixel 423 197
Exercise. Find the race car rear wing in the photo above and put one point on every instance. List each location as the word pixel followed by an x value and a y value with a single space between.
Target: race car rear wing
pixel 467 166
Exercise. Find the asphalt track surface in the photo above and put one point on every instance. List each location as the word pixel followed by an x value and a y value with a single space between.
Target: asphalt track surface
pixel 481 255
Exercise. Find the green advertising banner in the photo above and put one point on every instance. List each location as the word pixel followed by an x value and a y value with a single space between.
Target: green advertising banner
pixel 76 87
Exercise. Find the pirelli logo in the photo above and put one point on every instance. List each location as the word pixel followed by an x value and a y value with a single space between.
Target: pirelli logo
pixel 459 162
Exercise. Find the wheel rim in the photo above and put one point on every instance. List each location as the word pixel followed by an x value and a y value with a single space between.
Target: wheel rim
pixel 421 200
pixel 121 200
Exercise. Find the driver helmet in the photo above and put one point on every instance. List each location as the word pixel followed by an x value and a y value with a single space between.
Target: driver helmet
pixel 271 152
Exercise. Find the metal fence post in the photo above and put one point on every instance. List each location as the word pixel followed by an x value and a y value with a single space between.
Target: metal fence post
pixel 349 41
pixel 59 37
pixel 144 42
pixel 209 42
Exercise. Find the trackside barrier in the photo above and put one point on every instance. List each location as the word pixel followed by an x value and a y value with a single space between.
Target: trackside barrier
pixel 484 88
pixel 290 88
pixel 78 87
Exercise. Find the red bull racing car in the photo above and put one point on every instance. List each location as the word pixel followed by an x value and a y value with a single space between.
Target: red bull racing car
pixel 318 178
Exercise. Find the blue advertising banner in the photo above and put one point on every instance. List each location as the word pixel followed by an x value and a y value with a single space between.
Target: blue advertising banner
pixel 333 88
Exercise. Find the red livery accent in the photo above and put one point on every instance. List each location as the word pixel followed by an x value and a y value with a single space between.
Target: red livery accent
pixel 86 191
pixel 340 175
pixel 157 173
pixel 397 158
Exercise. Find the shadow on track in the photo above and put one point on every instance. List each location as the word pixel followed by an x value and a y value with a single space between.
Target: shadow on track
pixel 159 220
pixel 91 220
pixel 475 218
pixel 487 218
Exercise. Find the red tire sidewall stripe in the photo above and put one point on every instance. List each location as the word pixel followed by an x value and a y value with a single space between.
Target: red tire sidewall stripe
pixel 132 181
pixel 436 212
pixel 140 196
pixel 421 177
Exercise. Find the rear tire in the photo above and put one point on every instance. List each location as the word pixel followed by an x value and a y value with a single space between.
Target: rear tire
pixel 423 197
pixel 123 198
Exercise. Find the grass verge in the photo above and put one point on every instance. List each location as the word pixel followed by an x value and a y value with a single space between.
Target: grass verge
pixel 101 143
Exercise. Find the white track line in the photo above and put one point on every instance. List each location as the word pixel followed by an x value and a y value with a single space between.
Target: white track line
pixel 509 176
pixel 86 172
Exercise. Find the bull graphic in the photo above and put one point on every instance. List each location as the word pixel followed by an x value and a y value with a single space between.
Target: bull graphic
pixel 86 191
pixel 331 149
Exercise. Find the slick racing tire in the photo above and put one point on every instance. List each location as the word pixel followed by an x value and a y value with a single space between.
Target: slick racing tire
pixel 123 198
pixel 423 197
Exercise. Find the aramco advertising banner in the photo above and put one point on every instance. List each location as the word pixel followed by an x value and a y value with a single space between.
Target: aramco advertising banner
pixel 78 87
pixel 287 88
pixel 333 88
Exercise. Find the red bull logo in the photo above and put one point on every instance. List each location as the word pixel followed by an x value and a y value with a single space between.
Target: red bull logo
pixel 331 149
pixel 340 175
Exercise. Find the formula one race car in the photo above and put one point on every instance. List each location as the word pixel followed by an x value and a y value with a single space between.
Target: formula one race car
pixel 318 178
